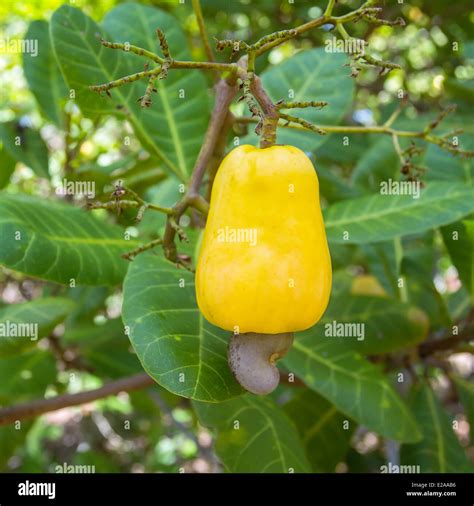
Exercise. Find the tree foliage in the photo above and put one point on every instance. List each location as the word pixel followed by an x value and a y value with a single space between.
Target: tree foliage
pixel 139 120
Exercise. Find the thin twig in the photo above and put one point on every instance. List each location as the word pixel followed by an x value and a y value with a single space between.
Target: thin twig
pixel 300 105
pixel 148 246
pixel 326 19
pixel 382 129
pixel 385 66
pixel 329 8
pixel 306 124
pixel 202 30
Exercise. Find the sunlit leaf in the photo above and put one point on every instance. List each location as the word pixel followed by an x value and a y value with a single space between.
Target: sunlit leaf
pixel 172 128
pixel 381 217
pixel 7 166
pixel 175 344
pixel 43 75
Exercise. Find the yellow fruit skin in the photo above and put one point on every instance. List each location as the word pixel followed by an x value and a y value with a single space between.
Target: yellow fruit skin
pixel 278 280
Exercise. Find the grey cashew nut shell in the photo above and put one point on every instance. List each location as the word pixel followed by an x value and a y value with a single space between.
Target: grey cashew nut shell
pixel 252 359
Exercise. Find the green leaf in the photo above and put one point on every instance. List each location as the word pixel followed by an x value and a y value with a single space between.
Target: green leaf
pixel 254 436
pixel 466 394
pixel 467 48
pixel 445 166
pixel 44 313
pixel 320 426
pixel 105 348
pixel 441 164
pixel 439 450
pixel 378 163
pixel 43 75
pixel 458 304
pixel 365 463
pixel 11 437
pixel 25 145
pixel 178 124
pixel 178 348
pixel 418 265
pixel 34 458
pixel 309 75
pixel 463 90
pixel 164 194
pixel 341 282
pixel 381 217
pixel 172 128
pixel 384 263
pixel 388 325
pixel 459 240
pixel 85 62
pixel 59 242
pixel 461 119
pixel 343 149
pixel 7 166
pixel 89 301
pixel 354 385
pixel 26 375
pixel 332 187
pixel 342 255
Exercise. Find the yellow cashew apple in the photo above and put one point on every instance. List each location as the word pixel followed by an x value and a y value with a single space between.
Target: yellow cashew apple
pixel 264 265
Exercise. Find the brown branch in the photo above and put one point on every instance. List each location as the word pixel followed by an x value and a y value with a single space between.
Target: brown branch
pixel 450 342
pixel 42 406
pixel 427 350
pixel 218 154
pixel 226 91
pixel 447 343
